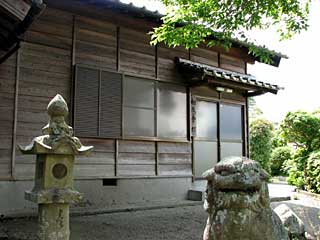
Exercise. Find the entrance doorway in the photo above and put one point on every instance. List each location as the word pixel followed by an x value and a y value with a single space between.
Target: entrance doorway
pixel 218 133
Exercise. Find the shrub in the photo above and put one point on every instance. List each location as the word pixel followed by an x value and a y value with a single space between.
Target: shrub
pixel 295 168
pixel 261 132
pixel 278 156
pixel 313 173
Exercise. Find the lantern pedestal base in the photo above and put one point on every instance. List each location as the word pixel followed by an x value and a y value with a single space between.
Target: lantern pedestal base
pixel 54 221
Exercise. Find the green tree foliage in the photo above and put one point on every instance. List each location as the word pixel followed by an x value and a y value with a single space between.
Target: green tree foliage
pixel 261 132
pixel 303 130
pixel 278 139
pixel 313 173
pixel 191 22
pixel 279 155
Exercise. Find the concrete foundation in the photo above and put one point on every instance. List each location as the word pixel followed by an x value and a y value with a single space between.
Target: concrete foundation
pixel 122 192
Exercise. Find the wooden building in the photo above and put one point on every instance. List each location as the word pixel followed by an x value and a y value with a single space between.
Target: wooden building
pixel 157 116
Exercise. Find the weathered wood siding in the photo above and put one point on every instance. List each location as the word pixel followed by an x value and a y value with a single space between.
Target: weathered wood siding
pixel 7 95
pixel 137 56
pixel 45 70
pixel 232 63
pixel 205 55
pixel 59 40
pixel 100 164
pixel 136 158
pixel 96 43
pixel 174 159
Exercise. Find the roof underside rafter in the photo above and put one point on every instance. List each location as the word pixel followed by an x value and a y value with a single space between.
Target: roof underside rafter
pixel 205 74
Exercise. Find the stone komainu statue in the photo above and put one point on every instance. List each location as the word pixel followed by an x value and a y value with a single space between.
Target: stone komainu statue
pixel 238 205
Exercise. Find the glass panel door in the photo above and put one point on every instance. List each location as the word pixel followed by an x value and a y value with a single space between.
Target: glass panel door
pixel 205 141
pixel 231 131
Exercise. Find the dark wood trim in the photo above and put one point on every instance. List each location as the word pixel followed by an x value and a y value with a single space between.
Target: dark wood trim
pixel 73 74
pixel 155 109
pixel 122 105
pixel 255 93
pixel 138 138
pixel 118 49
pixel 7 179
pixel 218 130
pixel 156 159
pixel 110 177
pixel 157 61
pixel 15 116
pixel 257 90
pixel 74 95
pixel 193 166
pixel 99 103
pixel 244 130
pixel 247 129
pixel 189 114
pixel 116 156
pixel 222 100
pixel 4 57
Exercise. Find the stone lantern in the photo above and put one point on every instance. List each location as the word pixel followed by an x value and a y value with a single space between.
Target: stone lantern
pixel 53 190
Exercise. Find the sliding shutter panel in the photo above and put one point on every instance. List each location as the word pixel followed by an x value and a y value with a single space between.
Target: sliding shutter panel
pixel 86 102
pixel 110 109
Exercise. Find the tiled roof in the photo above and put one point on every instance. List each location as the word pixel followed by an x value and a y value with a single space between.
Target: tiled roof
pixel 227 75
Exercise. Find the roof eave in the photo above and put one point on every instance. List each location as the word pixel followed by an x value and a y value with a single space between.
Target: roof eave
pixel 214 75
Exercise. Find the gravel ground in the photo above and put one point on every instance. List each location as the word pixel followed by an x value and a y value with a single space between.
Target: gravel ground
pixel 185 223
pixel 176 223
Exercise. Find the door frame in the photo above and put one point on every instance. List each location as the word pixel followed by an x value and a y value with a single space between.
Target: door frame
pixel 218 101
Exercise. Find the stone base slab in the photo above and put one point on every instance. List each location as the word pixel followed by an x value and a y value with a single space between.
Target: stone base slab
pixel 54 195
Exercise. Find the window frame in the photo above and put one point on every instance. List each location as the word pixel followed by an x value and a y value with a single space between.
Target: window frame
pixel 122 136
pixel 156 111
pixel 124 106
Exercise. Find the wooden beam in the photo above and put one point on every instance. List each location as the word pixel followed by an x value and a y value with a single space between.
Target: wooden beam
pixel 156 159
pixel 73 74
pixel 99 104
pixel 157 61
pixel 247 138
pixel 118 48
pixel 17 8
pixel 15 116
pixel 256 93
pixel 116 156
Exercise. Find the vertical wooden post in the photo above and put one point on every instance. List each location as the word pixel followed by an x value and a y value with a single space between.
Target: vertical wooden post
pixel 99 103
pixel 218 127
pixel 156 62
pixel 116 156
pixel 118 48
pixel 156 159
pixel 246 130
pixel 15 115
pixel 73 71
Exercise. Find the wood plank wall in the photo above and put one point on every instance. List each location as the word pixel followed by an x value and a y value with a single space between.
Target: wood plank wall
pixel 57 41
pixel 45 70
pixel 7 96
